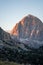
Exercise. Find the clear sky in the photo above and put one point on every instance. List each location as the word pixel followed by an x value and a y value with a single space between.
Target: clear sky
pixel 12 11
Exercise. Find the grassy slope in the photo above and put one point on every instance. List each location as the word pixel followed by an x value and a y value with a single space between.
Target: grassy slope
pixel 8 63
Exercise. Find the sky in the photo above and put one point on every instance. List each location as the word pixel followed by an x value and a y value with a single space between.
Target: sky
pixel 12 11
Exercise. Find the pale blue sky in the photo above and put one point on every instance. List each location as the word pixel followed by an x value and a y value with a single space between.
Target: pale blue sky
pixel 12 11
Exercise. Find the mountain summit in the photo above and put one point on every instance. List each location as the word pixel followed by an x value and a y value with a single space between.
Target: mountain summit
pixel 29 27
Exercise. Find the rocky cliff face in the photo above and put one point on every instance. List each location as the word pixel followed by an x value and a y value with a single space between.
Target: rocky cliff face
pixel 29 27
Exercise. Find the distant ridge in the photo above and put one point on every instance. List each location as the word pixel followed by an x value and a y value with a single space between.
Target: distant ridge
pixel 4 35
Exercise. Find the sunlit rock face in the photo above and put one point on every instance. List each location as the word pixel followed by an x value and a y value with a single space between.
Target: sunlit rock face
pixel 29 27
pixel 14 30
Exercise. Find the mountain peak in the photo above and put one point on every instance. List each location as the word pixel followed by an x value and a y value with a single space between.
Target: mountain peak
pixel 29 15
pixel 30 18
pixel 29 27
